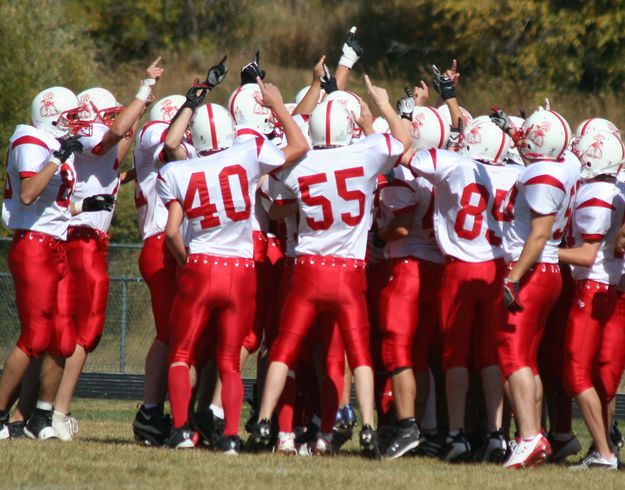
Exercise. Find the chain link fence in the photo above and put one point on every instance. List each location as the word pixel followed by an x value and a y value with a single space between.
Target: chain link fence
pixel 129 328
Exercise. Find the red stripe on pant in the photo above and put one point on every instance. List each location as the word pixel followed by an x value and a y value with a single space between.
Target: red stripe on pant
pixel 325 285
pixel 158 268
pixel 212 287
pixel 519 338
pixel 87 251
pixel 590 341
pixel 38 265
pixel 472 310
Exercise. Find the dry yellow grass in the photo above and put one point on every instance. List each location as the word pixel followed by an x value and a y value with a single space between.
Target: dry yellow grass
pixel 103 455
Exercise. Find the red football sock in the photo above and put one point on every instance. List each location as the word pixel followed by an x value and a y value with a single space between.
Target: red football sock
pixel 286 406
pixel 179 394
pixel 232 400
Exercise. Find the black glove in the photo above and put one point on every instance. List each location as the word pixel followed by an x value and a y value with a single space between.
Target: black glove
pixel 511 295
pixel 216 74
pixel 328 82
pixel 195 96
pixel 99 202
pixel 252 70
pixel 352 50
pixel 443 84
pixel 500 119
pixel 405 105
pixel 68 147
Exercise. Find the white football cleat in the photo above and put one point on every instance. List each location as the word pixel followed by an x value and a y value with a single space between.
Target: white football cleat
pixel 323 446
pixel 529 453
pixel 286 444
pixel 594 460
pixel 65 425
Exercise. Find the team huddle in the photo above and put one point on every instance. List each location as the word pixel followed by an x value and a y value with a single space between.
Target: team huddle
pixel 462 272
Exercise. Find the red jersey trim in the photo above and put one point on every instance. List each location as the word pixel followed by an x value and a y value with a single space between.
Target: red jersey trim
pixel 282 202
pixel 28 140
pixel 27 175
pixel 595 203
pixel 546 180
pixel 249 131
pixel 432 152
pixel 171 201
pixel 592 236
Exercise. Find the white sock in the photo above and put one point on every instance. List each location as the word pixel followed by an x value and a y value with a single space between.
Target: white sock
pixel 217 411
pixel 44 405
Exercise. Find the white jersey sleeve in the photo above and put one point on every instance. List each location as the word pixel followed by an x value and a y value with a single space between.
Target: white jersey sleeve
pixel 30 150
pixel 434 165
pixel 598 216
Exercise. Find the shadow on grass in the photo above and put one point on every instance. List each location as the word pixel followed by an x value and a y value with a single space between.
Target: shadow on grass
pixel 113 441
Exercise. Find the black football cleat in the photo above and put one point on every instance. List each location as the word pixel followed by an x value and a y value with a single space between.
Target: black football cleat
pixel 260 437
pixel 39 425
pixel 369 446
pixel 151 426
pixel 404 440
pixel 183 438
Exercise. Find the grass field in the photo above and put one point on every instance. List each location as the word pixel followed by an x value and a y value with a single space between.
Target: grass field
pixel 103 455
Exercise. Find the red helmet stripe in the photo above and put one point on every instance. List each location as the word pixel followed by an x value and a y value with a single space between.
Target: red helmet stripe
pixel 441 125
pixel 328 119
pixel 585 126
pixel 501 146
pixel 211 120
pixel 566 134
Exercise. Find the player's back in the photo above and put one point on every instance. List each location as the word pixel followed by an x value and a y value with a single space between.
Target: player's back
pixel 334 188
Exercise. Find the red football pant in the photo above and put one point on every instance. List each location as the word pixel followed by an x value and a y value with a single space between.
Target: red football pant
pixel 87 251
pixel 38 265
pixel 215 287
pixel 472 310
pixel 325 285
pixel 377 277
pixel 255 334
pixel 551 356
pixel 592 329
pixel 158 268
pixel 519 337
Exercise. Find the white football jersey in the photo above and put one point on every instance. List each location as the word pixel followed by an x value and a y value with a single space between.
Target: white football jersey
pixel 545 187
pixel 96 173
pixel 407 194
pixel 30 150
pixel 468 203
pixel 598 215
pixel 218 194
pixel 334 190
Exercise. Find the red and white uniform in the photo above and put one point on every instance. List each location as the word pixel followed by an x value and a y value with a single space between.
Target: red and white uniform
pixel 37 259
pixel 334 190
pixel 218 281
pixel 407 309
pixel 87 241
pixel 545 188
pixel 593 322
pixel 468 219
pixel 156 263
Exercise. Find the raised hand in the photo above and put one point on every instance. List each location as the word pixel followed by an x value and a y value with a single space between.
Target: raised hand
pixel 270 95
pixel 68 147
pixel 406 105
pixel 421 94
pixel 252 71
pixel 452 72
pixel 501 119
pixel 443 84
pixel 318 70
pixel 352 50
pixel 155 71
pixel 195 95
pixel 328 82
pixel 216 74
pixel 378 94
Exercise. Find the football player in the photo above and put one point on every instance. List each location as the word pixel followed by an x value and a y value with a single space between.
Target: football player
pixel 537 211
pixel 216 194
pixel 38 209
pixel 334 187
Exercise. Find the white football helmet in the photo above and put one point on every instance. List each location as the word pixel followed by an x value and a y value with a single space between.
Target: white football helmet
pixel 546 135
pixel 595 124
pixel 600 153
pixel 56 111
pixel 166 108
pixel 246 110
pixel 484 141
pixel 443 110
pixel 429 129
pixel 380 125
pixel 330 125
pixel 98 105
pixel 300 95
pixel 212 128
pixel 351 102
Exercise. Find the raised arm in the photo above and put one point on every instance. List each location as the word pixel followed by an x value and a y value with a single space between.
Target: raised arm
pixel 309 102
pixel 352 52
pixel 271 98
